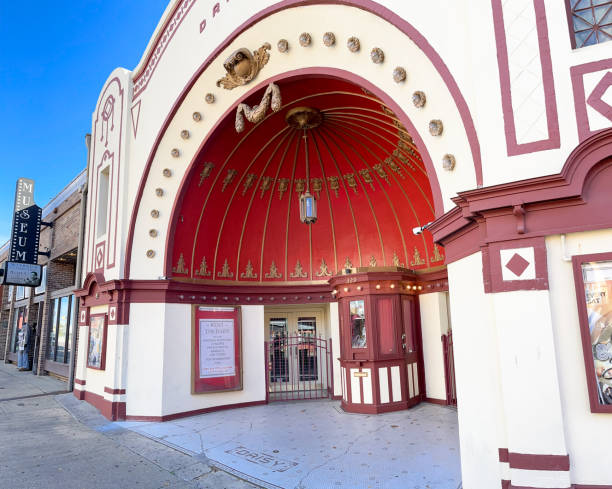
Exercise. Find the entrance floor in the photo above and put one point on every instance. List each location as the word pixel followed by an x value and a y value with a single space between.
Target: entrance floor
pixel 316 445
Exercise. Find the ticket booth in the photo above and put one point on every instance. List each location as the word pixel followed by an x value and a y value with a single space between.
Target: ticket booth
pixel 380 342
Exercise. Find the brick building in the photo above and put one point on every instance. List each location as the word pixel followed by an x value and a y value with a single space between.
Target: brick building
pixel 51 309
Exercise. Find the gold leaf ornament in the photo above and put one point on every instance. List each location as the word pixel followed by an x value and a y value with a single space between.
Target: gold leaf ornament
pixel 242 66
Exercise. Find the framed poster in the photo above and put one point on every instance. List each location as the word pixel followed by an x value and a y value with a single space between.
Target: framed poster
pixel 593 277
pixel 358 324
pixel 96 345
pixel 216 349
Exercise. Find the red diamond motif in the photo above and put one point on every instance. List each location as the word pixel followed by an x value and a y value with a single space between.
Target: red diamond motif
pixel 517 264
pixel 99 257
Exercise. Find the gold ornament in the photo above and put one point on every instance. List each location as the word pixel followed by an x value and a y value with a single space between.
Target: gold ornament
pixel 273 272
pixel 271 99
pixel 180 266
pixel 225 271
pixel 248 271
pixel 242 66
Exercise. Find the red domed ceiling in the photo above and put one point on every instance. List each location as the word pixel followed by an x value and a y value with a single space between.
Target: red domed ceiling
pixel 239 219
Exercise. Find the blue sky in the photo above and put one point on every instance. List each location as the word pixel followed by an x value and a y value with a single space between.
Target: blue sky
pixel 54 58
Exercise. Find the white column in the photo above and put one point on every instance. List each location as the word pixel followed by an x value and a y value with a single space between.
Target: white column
pixel 334 323
pixel 480 407
pixel 434 323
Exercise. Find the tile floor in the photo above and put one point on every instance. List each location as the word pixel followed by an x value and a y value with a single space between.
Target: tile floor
pixel 315 445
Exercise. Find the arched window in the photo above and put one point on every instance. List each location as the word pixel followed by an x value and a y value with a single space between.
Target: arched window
pixel 590 21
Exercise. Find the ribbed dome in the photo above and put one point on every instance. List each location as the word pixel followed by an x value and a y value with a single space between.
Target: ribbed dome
pixel 239 218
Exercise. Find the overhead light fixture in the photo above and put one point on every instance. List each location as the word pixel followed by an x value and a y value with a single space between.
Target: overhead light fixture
pixel 305 118
pixel 308 203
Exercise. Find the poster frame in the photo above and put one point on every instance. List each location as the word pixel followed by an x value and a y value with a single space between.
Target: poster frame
pixel 104 317
pixel 211 385
pixel 591 377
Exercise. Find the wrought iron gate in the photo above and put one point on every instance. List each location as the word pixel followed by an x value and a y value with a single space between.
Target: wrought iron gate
pixel 298 367
pixel 449 369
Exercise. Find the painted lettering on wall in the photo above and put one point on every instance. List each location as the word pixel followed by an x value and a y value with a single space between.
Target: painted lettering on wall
pixel 216 10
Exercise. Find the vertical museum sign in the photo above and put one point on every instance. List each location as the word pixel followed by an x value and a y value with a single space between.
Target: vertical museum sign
pixel 22 267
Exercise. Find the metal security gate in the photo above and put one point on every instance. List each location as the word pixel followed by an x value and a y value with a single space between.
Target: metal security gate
pixel 299 367
pixel 449 369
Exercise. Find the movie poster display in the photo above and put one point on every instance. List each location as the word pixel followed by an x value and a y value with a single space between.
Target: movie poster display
pixel 595 303
pixel 216 340
pixel 96 348
pixel 358 324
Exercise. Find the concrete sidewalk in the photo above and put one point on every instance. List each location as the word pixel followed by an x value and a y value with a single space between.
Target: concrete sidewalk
pixel 15 384
pixel 52 441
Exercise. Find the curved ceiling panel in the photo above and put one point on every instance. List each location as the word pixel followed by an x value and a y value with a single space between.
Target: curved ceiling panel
pixel 239 219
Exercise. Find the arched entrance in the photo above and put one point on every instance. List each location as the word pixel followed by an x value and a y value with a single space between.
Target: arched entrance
pixel 237 229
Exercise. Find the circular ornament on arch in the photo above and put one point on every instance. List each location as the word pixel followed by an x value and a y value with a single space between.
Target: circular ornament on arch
pixel 329 39
pixel 153 233
pixel 419 99
pixel 185 134
pixel 399 74
pixel 167 172
pixel 210 98
pixel 150 254
pixel 154 213
pixel 377 56
pixel 159 192
pixel 436 128
pixel 305 39
pixel 196 116
pixel 448 162
pixel 282 45
pixel 175 153
pixel 353 44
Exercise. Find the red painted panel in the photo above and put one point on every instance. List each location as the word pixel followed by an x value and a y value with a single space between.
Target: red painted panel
pixel 386 325
pixel 242 214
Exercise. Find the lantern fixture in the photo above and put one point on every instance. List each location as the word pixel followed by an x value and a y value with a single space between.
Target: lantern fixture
pixel 304 119
pixel 308 203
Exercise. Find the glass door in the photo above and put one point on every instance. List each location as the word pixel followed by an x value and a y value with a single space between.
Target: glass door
pixel 296 356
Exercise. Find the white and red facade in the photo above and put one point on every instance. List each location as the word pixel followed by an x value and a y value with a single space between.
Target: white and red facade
pixel 184 212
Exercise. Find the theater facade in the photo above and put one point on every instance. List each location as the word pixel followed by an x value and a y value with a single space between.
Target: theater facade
pixel 385 203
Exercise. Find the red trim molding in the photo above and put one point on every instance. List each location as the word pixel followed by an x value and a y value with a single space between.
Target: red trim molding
pixel 80 382
pixel 580 100
pixel 503 455
pixel 520 214
pixel 110 390
pixel 170 417
pixel 441 402
pixel 531 461
pixel 552 120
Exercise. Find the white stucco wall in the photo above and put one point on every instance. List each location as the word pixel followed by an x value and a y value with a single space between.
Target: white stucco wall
pixel 334 326
pixel 434 323
pixel 587 433
pixel 480 408
pixel 177 395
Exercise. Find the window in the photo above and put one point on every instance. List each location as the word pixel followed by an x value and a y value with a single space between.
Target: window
pixel 103 201
pixel 61 328
pixel 10 293
pixel 42 288
pixel 590 21
pixel 20 294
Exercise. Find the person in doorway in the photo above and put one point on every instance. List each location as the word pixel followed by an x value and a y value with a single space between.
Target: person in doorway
pixel 23 340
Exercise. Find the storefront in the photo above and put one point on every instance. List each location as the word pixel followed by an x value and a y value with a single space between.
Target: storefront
pixel 291 201
pixel 50 310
